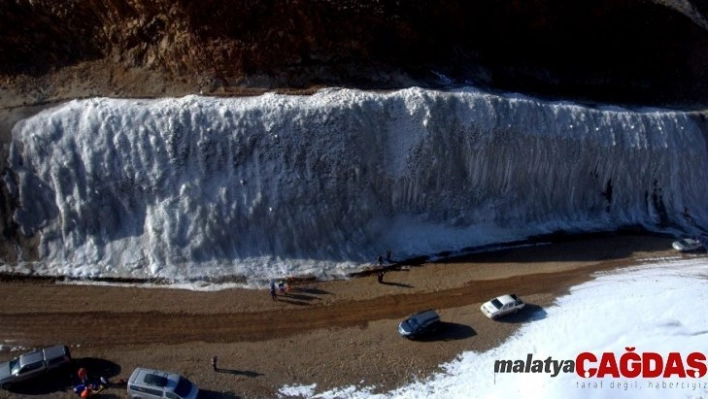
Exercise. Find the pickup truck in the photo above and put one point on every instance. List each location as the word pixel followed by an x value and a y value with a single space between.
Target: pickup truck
pixel 33 364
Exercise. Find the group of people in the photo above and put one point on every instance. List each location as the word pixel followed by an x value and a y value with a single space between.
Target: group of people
pixel 283 287
pixel 87 387
pixel 388 258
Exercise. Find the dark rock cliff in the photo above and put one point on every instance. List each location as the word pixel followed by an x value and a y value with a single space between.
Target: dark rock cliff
pixel 641 51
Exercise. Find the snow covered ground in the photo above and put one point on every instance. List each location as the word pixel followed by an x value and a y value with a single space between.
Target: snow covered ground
pixel 656 307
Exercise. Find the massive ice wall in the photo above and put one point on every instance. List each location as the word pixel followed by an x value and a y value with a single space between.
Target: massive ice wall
pixel 320 184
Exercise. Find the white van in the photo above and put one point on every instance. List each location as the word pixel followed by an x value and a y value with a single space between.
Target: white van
pixel 154 384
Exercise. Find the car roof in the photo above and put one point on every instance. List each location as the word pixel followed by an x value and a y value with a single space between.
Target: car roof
pixel 504 299
pixel 56 351
pixel 425 315
pixel 155 378
pixel 31 357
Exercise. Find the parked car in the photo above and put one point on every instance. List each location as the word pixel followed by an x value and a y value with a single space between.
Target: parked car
pixel 151 384
pixel 419 324
pixel 502 305
pixel 33 364
pixel 687 245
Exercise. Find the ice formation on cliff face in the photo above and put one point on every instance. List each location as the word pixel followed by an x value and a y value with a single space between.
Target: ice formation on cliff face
pixel 199 187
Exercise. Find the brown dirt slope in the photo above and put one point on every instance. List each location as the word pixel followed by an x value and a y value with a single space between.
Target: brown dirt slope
pixel 612 50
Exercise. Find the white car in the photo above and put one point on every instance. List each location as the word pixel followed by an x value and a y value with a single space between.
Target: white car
pixel 155 384
pixel 687 245
pixel 502 306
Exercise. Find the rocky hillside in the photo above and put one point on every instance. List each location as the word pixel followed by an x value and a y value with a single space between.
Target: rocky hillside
pixel 642 51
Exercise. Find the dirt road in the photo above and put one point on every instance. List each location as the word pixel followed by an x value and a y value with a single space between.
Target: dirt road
pixel 332 334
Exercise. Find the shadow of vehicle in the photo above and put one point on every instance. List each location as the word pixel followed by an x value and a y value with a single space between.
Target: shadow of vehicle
pixel 207 394
pixel 447 331
pixel 530 312
pixel 57 380
pixel 97 368
pixel 694 253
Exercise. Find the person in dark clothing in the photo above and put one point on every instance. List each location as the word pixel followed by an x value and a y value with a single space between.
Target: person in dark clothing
pixel 273 295
pixel 380 260
pixel 380 277
pixel 213 363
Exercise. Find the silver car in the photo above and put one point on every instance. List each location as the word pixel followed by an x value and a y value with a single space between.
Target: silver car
pixel 33 364
pixel 419 324
pixel 153 384
pixel 687 245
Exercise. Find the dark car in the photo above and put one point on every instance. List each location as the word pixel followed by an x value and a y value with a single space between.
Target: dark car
pixel 33 364
pixel 419 324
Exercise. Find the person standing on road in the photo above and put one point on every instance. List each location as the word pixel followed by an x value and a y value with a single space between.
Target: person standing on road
pixel 213 363
pixel 380 277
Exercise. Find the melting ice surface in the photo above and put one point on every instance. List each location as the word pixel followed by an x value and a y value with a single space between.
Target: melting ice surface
pixel 258 187
pixel 656 307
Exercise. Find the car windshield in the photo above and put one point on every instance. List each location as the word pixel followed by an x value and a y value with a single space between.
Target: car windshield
pixel 496 303
pixel 183 388
pixel 156 380
pixel 413 322
pixel 14 366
